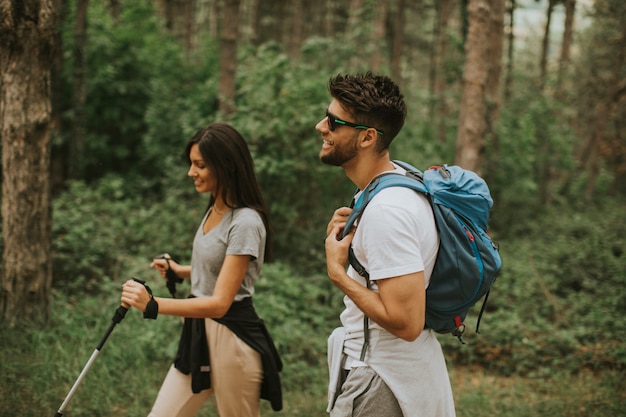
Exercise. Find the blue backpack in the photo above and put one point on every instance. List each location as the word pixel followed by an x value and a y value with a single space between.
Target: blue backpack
pixel 468 261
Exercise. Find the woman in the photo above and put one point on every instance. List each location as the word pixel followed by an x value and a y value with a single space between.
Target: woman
pixel 225 348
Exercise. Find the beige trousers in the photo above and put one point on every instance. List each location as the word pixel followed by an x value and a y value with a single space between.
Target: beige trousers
pixel 236 375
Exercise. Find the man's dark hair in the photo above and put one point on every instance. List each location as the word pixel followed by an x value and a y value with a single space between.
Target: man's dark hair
pixel 373 100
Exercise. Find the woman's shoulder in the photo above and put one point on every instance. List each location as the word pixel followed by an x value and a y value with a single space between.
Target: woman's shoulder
pixel 246 214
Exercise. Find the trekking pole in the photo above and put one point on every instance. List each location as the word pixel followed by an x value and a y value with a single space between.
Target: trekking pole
pixel 172 278
pixel 117 317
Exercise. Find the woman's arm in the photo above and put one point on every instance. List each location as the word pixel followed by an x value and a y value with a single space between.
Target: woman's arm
pixel 228 283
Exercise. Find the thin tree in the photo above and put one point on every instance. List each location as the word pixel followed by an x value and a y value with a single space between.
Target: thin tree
pixel 329 16
pixel 438 105
pixel 379 33
pixel 79 91
pixel 480 64
pixel 545 44
pixel 494 61
pixel 189 29
pixel 615 91
pixel 508 80
pixel 398 41
pixel 568 34
pixel 228 56
pixel 297 29
pixel 27 35
pixel 214 12
pixel 600 98
pixel 249 21
pixel 115 7
pixel 353 28
pixel 58 157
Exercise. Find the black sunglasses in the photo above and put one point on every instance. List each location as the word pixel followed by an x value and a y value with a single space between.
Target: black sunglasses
pixel 334 122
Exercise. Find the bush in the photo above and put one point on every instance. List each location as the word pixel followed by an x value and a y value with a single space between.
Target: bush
pixel 557 302
pixel 101 231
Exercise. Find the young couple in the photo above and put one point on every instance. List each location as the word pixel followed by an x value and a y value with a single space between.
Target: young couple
pixel 225 349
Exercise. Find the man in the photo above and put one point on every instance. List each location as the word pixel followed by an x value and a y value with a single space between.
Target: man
pixel 401 371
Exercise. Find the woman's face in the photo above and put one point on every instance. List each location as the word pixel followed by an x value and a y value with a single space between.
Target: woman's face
pixel 203 178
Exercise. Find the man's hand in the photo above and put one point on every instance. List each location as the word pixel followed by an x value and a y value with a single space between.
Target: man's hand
pixel 340 216
pixel 337 253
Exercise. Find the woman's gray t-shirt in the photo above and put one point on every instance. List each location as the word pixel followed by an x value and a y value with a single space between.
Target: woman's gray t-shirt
pixel 241 232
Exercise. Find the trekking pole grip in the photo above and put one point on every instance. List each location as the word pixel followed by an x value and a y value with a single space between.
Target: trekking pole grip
pixel 120 313
pixel 170 275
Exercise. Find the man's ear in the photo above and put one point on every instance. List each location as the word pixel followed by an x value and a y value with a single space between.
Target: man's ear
pixel 369 138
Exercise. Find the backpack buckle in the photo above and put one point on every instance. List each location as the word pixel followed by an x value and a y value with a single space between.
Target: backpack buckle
pixel 458 332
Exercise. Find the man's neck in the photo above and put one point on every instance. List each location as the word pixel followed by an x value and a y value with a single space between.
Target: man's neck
pixel 362 171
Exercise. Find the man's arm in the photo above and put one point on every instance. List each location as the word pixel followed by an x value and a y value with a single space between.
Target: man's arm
pixel 398 306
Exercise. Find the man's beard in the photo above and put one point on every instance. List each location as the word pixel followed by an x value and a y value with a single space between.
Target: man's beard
pixel 339 155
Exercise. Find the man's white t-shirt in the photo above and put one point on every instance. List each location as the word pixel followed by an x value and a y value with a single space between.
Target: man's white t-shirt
pixel 396 235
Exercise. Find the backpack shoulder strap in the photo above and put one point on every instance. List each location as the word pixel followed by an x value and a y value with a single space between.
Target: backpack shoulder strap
pixel 413 179
pixel 379 183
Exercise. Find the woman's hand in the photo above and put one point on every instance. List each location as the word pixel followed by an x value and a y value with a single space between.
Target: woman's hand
pixel 135 295
pixel 163 262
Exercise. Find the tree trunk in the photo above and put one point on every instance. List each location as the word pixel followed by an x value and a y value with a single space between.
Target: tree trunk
pixel 167 11
pixel 58 156
pixel 249 22
pixel 228 56
pixel 616 90
pixel 115 9
pixel 439 106
pixel 189 28
pixel 398 41
pixel 354 13
pixel 545 45
pixel 476 71
pixel 328 24
pixel 508 81
pixel 214 13
pixel 79 81
pixel 568 32
pixel 492 85
pixel 255 21
pixel 464 20
pixel 180 20
pixel 27 46
pixel 379 36
pixel 297 29
pixel 494 61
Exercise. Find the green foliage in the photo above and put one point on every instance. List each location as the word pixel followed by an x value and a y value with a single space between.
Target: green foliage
pixel 552 320
pixel 533 158
pixel 551 329
pixel 553 307
pixel 300 311
pixel 277 117
pixel 558 300
pixel 99 228
pixel 120 61
pixel 553 312
pixel 479 393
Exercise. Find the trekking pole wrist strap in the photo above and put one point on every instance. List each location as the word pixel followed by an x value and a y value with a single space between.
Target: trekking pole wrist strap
pixel 152 308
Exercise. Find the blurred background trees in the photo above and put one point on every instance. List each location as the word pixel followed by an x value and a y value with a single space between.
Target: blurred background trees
pixel 535 105
pixel 98 99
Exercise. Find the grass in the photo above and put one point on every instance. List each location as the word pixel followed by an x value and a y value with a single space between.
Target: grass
pixel 39 366
pixel 478 393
